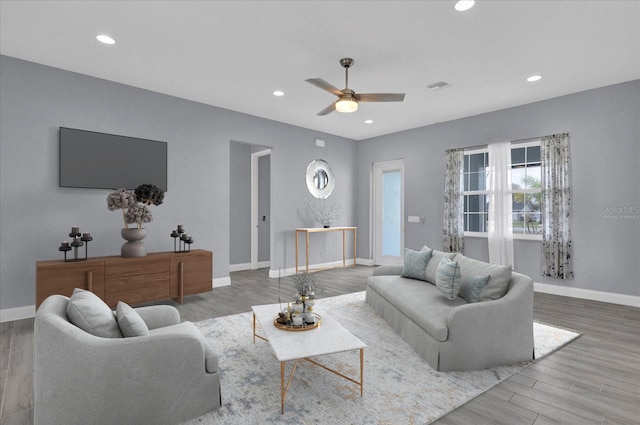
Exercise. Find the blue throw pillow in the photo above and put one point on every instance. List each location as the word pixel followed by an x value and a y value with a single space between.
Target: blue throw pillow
pixel 470 290
pixel 415 263
pixel 448 278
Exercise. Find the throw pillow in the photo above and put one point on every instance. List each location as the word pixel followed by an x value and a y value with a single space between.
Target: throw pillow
pixel 500 276
pixel 88 312
pixel 448 278
pixel 434 262
pixel 471 288
pixel 415 263
pixel 130 322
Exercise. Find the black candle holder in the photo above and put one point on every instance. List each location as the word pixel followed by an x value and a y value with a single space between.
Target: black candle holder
pixel 79 239
pixel 184 240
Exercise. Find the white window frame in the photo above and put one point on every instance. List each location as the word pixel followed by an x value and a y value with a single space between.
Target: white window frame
pixel 520 236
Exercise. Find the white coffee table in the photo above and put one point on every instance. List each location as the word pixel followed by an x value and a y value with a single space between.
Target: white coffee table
pixel 328 338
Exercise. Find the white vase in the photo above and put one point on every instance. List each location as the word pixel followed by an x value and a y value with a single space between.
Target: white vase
pixel 134 247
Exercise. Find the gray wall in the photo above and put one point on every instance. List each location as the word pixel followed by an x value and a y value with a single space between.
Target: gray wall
pixel 36 214
pixel 605 145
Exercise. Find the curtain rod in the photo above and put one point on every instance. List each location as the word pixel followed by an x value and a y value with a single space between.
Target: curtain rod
pixel 513 142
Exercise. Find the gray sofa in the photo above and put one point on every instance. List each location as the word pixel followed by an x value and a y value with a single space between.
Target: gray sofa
pixel 456 334
pixel 167 377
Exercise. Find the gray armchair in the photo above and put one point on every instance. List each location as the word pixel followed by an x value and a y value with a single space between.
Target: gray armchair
pixel 167 377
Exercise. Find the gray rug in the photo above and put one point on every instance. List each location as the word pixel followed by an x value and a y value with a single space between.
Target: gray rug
pixel 399 387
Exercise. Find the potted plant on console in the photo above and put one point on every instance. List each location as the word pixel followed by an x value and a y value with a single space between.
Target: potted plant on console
pixel 133 204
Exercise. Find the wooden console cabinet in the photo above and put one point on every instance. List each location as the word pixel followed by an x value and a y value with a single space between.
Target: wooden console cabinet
pixel 157 276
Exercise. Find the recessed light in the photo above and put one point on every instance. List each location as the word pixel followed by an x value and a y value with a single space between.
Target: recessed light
pixel 463 5
pixel 105 39
pixel 368 121
pixel 278 93
pixel 534 78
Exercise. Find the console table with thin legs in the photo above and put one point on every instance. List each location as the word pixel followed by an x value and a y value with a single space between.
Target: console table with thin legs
pixel 308 230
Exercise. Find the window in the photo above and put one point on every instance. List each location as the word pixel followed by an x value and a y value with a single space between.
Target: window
pixel 526 189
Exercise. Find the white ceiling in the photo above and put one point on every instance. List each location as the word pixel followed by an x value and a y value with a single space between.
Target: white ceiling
pixel 234 54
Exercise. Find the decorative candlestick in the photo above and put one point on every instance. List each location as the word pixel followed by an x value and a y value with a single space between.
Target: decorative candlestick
pixel 64 247
pixel 86 237
pixel 184 240
pixel 79 239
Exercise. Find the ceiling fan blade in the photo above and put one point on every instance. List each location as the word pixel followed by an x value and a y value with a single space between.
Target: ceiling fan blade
pixel 320 83
pixel 327 110
pixel 380 97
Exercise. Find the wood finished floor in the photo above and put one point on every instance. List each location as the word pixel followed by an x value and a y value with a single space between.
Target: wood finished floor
pixel 593 380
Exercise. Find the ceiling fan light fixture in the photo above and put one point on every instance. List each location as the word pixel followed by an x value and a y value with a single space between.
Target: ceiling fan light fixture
pixel 103 38
pixel 346 105
pixel 463 5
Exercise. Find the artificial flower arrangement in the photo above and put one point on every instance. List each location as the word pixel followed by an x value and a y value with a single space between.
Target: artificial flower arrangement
pixel 324 213
pixel 305 286
pixel 133 203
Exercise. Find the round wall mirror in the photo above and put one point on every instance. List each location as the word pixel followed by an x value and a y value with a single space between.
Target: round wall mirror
pixel 320 179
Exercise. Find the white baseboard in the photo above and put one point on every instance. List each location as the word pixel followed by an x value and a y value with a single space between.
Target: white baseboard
pixel 239 267
pixel 587 294
pixel 273 273
pixel 247 266
pixel 17 313
pixel 365 261
pixel 221 281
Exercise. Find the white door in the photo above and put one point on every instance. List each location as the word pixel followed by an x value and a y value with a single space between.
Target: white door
pixel 388 211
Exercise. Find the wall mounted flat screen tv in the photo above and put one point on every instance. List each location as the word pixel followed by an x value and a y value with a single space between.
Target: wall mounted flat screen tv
pixel 106 161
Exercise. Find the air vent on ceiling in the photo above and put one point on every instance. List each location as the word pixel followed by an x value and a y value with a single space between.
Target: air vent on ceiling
pixel 439 85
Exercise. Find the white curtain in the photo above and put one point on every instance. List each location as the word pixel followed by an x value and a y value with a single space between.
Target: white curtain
pixel 453 229
pixel 500 228
pixel 557 255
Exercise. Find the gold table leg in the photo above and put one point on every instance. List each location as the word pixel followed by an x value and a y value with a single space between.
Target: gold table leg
pixel 307 252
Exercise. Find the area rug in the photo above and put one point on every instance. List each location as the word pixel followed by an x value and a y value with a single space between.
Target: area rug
pixel 399 387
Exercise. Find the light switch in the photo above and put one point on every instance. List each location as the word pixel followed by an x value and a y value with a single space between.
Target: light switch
pixel 413 219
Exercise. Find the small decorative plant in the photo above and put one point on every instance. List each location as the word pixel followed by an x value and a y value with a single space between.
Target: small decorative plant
pixel 325 214
pixel 305 286
pixel 134 212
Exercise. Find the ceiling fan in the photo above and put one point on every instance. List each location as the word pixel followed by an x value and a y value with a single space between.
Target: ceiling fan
pixel 347 98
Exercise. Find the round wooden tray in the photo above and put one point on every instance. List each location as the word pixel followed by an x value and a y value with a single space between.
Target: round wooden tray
pixel 303 327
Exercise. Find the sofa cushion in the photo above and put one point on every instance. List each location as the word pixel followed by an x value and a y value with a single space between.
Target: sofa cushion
pixel 422 304
pixel 470 290
pixel 434 261
pixel 500 276
pixel 88 312
pixel 415 263
pixel 448 278
pixel 130 322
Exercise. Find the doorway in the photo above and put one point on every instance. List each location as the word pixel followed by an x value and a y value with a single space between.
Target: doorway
pixel 388 212
pixel 260 209
pixel 249 206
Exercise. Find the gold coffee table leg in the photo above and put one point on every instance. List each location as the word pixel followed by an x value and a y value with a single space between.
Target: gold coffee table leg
pixel 285 388
pixel 361 371
pixel 282 392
